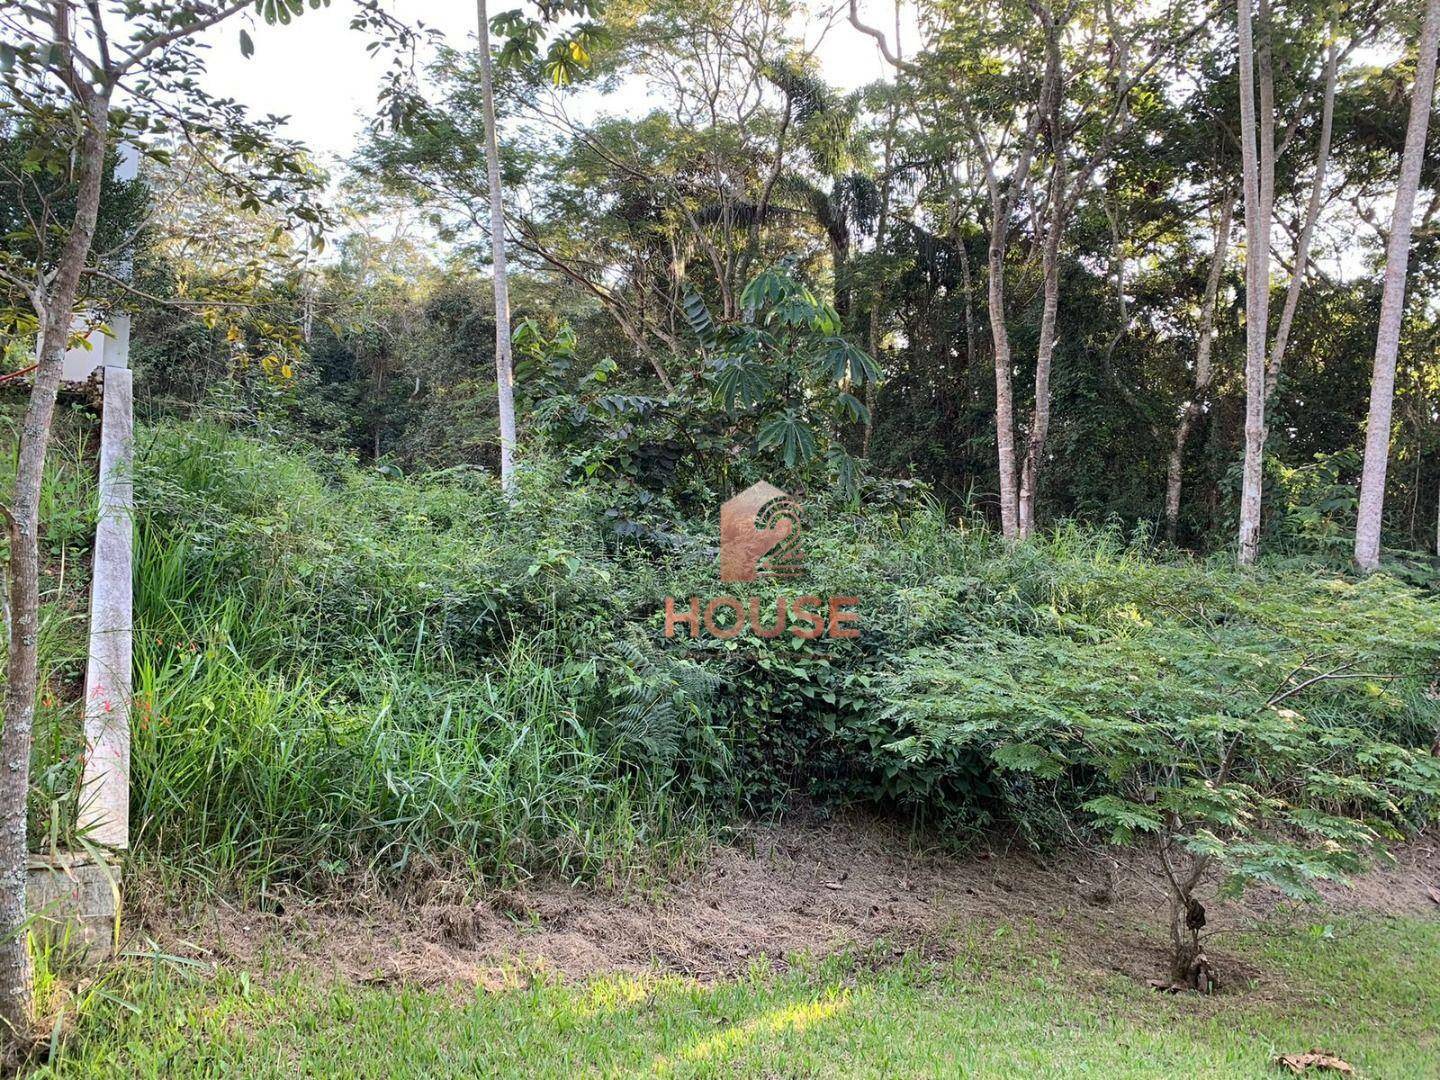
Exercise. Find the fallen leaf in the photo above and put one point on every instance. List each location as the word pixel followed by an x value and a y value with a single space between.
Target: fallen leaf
pixel 1315 1059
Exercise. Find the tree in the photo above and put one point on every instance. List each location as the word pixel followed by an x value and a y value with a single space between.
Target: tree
pixel 1258 185
pixel 1052 93
pixel 1392 303
pixel 1265 356
pixel 80 88
pixel 1164 738
pixel 427 154
pixel 1004 189
pixel 504 365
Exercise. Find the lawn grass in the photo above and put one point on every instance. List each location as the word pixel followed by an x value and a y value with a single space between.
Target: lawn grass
pixel 1010 1006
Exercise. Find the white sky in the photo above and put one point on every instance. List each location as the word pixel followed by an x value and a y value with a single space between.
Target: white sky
pixel 316 70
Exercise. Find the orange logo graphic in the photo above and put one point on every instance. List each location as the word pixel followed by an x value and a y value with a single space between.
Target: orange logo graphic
pixel 760 538
pixel 760 535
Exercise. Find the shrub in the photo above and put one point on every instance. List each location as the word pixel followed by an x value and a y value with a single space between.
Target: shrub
pixel 1273 725
pixel 375 674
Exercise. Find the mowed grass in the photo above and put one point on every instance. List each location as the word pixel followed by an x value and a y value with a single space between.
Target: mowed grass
pixel 1010 1006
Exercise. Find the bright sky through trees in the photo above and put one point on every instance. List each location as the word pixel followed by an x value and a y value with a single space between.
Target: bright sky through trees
pixel 317 72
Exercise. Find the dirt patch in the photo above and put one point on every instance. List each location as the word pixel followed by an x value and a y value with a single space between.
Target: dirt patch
pixel 809 886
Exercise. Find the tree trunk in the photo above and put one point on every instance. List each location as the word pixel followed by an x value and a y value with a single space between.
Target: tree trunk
pixel 1203 368
pixel 504 366
pixel 1004 390
pixel 379 405
pixel 1392 304
pixel 1259 185
pixel 972 347
pixel 1307 229
pixel 55 309
pixel 881 223
pixel 1000 203
pixel 840 260
pixel 1045 351
pixel 1188 967
pixel 1183 946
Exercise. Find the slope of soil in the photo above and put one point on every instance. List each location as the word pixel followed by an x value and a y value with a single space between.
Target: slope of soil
pixel 810 885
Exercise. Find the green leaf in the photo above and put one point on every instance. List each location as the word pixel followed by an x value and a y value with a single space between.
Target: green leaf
pixel 854 406
pixel 766 288
pixel 842 361
pixel 1123 817
pixel 741 381
pixel 698 316
pixel 1027 757
pixel 795 439
pixel 247 46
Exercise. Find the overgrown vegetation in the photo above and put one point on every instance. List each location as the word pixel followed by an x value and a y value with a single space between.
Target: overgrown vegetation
pixel 984 319
pixel 341 673
pixel 345 675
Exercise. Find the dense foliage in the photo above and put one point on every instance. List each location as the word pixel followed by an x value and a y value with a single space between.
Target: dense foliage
pixel 346 673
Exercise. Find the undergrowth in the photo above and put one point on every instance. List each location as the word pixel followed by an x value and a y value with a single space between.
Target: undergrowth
pixel 344 674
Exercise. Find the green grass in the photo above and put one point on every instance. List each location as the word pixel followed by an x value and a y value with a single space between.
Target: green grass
pixel 1009 1007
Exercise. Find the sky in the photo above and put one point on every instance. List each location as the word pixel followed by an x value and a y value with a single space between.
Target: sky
pixel 316 70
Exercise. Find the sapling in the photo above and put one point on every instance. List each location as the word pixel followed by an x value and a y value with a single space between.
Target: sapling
pixel 1164 739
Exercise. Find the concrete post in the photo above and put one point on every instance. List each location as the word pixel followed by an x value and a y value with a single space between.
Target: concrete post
pixel 104 816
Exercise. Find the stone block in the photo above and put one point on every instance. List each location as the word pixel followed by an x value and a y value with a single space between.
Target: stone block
pixel 73 900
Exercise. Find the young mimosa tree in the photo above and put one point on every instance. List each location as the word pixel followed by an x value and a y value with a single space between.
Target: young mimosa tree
pixel 77 79
pixel 1249 748
pixel 1392 303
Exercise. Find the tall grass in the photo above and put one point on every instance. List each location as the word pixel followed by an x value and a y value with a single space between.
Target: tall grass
pixel 341 675
pixel 319 701
pixel 250 778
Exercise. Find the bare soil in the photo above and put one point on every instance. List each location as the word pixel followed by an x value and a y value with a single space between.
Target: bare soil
pixel 810 886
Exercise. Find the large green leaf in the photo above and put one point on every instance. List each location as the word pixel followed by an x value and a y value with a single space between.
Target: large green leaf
pixel 741 381
pixel 699 318
pixel 794 438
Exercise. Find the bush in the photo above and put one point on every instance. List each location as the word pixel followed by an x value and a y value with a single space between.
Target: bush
pixel 1274 725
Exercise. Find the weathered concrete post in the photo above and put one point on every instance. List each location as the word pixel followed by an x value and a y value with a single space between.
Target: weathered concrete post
pixel 105 798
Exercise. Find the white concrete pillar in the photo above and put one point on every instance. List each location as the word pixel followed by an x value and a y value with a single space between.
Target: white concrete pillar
pixel 104 816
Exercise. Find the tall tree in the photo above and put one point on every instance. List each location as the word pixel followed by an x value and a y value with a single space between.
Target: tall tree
pixel 1004 189
pixel 1392 303
pixel 1257 155
pixel 1079 112
pixel 1259 47
pixel 504 365
pixel 79 87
